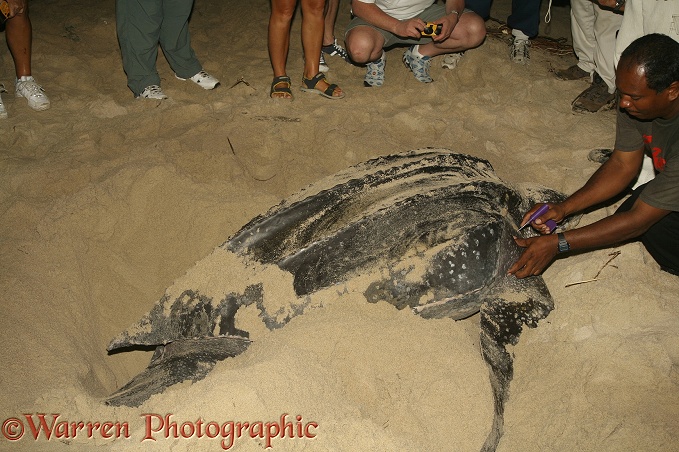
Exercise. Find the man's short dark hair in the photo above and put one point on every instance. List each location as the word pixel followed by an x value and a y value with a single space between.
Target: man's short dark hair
pixel 658 54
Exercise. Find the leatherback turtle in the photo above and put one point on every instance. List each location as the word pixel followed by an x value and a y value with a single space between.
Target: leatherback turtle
pixel 429 229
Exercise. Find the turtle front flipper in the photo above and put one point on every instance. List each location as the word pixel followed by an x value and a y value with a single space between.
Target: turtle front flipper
pixel 515 303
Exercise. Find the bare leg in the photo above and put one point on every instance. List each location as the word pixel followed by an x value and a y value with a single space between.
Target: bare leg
pixel 312 38
pixel 279 33
pixel 364 44
pixel 18 32
pixel 330 16
pixel 279 36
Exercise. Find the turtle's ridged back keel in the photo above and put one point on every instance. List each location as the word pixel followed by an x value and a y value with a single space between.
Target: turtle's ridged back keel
pixel 433 229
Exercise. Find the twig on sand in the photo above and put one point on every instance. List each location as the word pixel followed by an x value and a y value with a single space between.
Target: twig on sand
pixel 233 151
pixel 242 80
pixel 596 277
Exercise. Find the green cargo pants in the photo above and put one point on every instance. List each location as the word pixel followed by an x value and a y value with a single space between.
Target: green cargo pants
pixel 141 26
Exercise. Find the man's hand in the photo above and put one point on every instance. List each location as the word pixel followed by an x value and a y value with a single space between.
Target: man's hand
pixel 538 253
pixel 411 28
pixel 556 212
pixel 448 22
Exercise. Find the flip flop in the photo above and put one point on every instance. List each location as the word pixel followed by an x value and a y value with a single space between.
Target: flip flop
pixel 311 83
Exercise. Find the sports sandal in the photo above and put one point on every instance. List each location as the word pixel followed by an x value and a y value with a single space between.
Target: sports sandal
pixel 281 86
pixel 311 83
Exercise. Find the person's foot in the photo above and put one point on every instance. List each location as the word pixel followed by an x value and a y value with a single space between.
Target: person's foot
pixel 3 112
pixel 152 92
pixel 335 49
pixel 419 65
pixel 519 51
pixel 451 60
pixel 572 73
pixel 27 88
pixel 374 72
pixel 202 79
pixel 595 98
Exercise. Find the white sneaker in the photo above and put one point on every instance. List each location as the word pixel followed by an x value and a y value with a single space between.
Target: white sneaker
pixel 322 65
pixel 519 51
pixel 152 92
pixel 203 79
pixel 451 60
pixel 34 94
pixel 3 112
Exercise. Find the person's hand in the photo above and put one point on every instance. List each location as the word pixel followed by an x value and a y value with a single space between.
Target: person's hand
pixel 556 212
pixel 17 7
pixel 538 253
pixel 448 22
pixel 411 28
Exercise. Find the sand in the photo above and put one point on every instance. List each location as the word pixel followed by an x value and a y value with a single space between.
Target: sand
pixel 106 200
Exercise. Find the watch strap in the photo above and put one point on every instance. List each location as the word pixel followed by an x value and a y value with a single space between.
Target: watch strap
pixel 563 243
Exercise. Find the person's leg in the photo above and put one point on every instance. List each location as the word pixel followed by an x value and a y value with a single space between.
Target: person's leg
pixel 525 24
pixel 312 40
pixel 175 39
pixel 331 9
pixel 19 35
pixel 279 34
pixel 365 45
pixel 138 26
pixel 480 7
pixel 606 26
pixel 662 239
pixel 525 17
pixel 582 29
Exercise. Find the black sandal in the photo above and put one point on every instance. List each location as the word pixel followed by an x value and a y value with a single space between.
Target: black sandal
pixel 310 86
pixel 281 85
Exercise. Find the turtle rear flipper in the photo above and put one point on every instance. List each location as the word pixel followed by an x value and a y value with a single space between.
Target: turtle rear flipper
pixel 176 362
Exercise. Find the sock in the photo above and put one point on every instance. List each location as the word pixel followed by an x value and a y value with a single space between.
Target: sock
pixel 518 34
pixel 416 51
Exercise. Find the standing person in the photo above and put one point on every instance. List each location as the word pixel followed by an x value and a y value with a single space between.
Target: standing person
pixel 594 31
pixel 313 80
pixel 330 45
pixel 642 17
pixel 524 22
pixel 144 24
pixel 19 35
pixel 383 23
pixel 647 79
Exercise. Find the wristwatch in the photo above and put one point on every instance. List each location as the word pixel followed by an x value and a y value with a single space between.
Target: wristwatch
pixel 618 5
pixel 563 243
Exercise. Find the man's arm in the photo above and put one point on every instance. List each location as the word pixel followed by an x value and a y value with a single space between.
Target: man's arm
pixel 609 180
pixel 539 251
pixel 372 14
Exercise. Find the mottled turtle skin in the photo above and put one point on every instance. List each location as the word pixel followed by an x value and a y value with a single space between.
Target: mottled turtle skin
pixel 447 212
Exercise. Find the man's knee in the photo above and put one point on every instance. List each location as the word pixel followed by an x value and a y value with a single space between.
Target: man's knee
pixel 361 46
pixel 475 29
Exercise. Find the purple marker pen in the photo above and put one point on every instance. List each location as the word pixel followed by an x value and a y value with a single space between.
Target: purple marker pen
pixel 538 213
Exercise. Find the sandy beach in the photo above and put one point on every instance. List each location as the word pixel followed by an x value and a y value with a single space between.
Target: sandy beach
pixel 105 200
